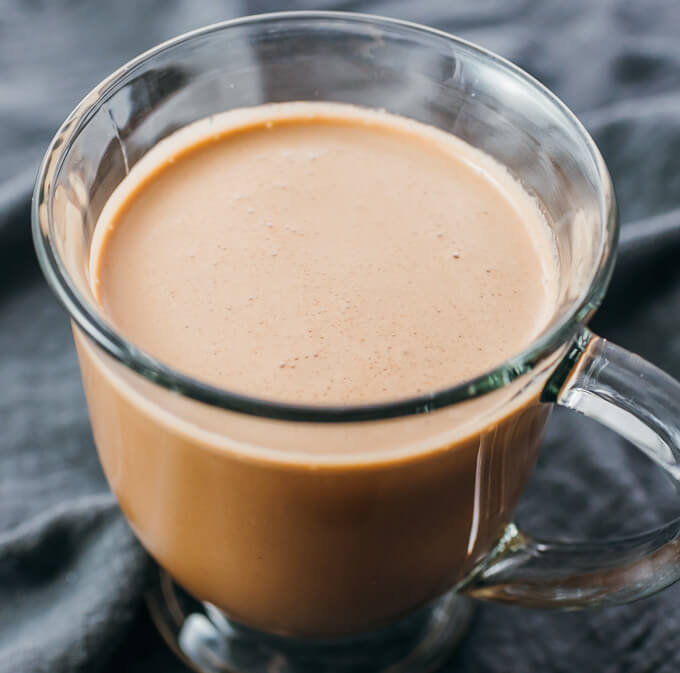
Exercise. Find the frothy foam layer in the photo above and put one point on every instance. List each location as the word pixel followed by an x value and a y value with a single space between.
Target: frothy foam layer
pixel 324 253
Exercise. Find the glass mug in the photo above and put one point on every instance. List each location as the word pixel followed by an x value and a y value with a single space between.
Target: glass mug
pixel 361 553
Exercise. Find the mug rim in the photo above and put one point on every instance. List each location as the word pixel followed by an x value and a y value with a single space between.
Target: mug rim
pixel 123 351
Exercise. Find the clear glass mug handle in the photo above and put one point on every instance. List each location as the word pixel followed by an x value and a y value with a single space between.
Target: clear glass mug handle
pixel 642 403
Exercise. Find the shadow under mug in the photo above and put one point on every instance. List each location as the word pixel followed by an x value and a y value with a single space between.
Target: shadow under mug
pixel 359 553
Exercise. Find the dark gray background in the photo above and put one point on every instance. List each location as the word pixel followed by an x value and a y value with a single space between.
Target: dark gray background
pixel 71 574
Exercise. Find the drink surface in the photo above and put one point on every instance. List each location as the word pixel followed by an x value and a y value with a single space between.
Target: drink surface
pixel 323 253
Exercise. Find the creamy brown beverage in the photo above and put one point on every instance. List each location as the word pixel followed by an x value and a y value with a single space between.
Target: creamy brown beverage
pixel 318 253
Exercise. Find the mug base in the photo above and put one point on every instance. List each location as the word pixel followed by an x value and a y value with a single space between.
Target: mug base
pixel 210 642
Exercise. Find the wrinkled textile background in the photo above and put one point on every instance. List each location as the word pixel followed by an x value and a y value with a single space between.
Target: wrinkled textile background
pixel 71 573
